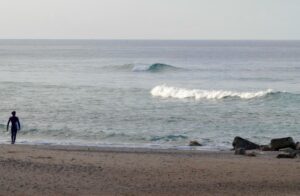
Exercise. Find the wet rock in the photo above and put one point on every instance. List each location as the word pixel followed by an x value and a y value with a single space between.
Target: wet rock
pixel 265 148
pixel 240 151
pixel 194 143
pixel 297 146
pixel 286 142
pixel 239 142
pixel 287 156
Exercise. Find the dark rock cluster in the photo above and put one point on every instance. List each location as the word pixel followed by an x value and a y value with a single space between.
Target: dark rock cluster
pixel 287 146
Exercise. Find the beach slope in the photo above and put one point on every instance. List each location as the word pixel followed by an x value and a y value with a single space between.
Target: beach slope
pixel 59 170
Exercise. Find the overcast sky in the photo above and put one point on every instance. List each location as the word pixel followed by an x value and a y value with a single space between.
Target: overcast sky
pixel 150 19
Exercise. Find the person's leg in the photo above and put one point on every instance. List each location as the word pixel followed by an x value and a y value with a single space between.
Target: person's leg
pixel 14 135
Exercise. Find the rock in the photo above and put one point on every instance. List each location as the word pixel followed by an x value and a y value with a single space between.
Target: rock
pixel 297 146
pixel 286 142
pixel 287 156
pixel 194 143
pixel 240 151
pixel 265 148
pixel 239 142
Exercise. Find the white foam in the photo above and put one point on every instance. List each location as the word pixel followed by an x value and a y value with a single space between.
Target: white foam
pixel 140 67
pixel 182 93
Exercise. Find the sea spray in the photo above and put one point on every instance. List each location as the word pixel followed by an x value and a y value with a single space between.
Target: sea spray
pixel 183 93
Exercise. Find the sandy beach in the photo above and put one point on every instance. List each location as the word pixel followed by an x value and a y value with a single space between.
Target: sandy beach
pixel 61 170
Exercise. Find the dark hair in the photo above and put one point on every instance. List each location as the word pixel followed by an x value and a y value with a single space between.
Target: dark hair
pixel 13 112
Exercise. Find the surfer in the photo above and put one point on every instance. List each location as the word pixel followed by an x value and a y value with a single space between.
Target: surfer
pixel 15 126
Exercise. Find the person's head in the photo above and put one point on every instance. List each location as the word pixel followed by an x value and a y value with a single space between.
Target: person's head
pixel 13 113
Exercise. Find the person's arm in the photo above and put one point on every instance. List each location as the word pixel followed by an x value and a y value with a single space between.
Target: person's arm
pixel 19 124
pixel 7 124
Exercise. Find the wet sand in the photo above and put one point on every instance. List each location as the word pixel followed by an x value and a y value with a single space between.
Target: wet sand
pixel 61 170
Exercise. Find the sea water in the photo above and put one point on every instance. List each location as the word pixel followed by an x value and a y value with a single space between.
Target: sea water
pixel 139 93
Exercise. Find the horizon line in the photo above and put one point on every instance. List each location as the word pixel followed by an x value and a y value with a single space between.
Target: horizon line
pixel 139 39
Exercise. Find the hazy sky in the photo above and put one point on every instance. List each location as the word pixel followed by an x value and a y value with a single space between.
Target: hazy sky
pixel 150 19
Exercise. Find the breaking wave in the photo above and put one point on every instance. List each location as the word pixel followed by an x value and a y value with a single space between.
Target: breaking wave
pixel 182 93
pixel 156 67
pixel 140 67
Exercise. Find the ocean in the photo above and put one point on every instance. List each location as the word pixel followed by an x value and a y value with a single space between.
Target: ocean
pixel 150 93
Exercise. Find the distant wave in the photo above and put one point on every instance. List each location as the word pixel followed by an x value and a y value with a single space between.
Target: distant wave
pixel 153 68
pixel 156 67
pixel 182 93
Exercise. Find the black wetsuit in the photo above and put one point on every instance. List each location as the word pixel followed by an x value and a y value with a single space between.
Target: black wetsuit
pixel 15 126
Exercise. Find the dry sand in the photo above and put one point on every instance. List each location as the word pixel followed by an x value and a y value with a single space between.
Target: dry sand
pixel 45 170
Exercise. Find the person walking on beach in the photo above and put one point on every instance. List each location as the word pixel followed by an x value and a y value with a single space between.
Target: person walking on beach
pixel 15 126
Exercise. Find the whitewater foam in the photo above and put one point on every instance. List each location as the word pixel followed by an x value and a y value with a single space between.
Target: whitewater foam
pixel 182 93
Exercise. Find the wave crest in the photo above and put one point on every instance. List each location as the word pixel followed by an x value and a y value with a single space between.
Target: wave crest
pixel 182 93
pixel 140 67
pixel 156 67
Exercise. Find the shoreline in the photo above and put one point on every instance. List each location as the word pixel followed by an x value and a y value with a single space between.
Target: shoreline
pixel 57 170
pixel 147 146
